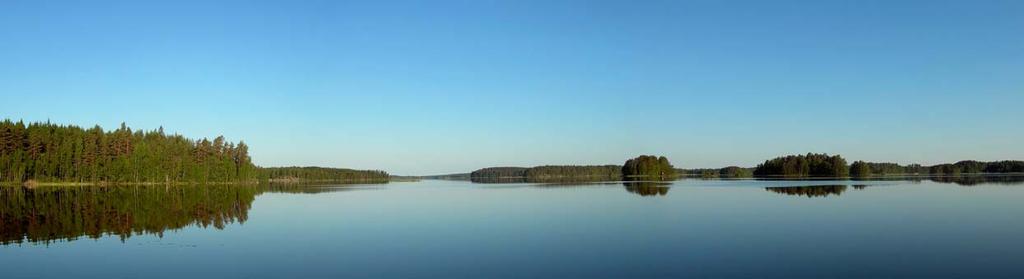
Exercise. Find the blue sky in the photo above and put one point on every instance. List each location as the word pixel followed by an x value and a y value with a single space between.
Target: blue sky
pixel 424 87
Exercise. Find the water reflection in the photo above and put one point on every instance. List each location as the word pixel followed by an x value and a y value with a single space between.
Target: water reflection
pixel 810 191
pixel 314 189
pixel 647 188
pixel 498 180
pixel 50 214
pixel 47 214
pixel 974 180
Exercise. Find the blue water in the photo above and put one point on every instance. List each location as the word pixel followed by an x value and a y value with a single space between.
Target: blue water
pixel 453 229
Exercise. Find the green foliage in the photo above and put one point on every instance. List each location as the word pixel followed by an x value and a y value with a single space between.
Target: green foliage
pixel 49 152
pixel 810 165
pixel 1004 167
pixel 945 169
pixel 978 167
pixel 611 172
pixel 318 175
pixel 860 169
pixel 547 174
pixel 648 167
pixel 958 168
pixel 499 172
pixel 735 172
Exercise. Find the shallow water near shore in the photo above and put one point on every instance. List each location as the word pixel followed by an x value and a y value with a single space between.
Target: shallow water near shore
pixel 941 227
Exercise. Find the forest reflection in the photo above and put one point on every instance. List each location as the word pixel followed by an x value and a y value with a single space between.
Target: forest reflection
pixel 974 180
pixel 647 188
pixel 46 214
pixel 553 181
pixel 810 191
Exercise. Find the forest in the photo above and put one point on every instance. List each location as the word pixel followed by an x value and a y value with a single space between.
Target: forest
pixel 645 167
pixel 47 152
pixel 612 172
pixel 649 167
pixel 810 165
pixel 866 169
pixel 969 166
pixel 726 172
pixel 499 172
pixel 318 174
pixel 546 174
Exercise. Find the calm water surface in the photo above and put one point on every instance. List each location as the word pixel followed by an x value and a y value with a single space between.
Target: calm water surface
pixel 699 228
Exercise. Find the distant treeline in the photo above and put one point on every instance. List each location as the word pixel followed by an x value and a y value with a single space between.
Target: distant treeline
pixel 978 167
pixel 865 169
pixel 810 165
pixel 47 152
pixel 647 166
pixel 451 176
pixel 547 173
pixel 499 172
pixel 824 165
pixel 642 167
pixel 726 172
pixel 318 174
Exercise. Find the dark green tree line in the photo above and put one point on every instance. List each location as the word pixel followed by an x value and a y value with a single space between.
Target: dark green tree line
pixel 499 172
pixel 319 174
pixel 810 165
pixel 602 172
pixel 49 152
pixel 648 167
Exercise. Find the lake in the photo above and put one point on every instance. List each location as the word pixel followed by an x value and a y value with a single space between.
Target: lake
pixel 941 227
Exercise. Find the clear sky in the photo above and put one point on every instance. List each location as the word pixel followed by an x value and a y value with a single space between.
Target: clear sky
pixel 424 87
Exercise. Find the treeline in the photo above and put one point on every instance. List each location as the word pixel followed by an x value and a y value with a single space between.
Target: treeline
pixel 48 152
pixel 865 169
pixel 597 172
pixel 823 165
pixel 499 172
pixel 648 167
pixel 978 167
pixel 319 174
pixel 862 169
pixel 544 174
pixel 810 165
pixel 726 172
pixel 642 167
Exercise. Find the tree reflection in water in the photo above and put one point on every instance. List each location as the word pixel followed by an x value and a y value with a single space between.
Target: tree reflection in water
pixel 48 214
pixel 974 180
pixel 647 188
pixel 809 191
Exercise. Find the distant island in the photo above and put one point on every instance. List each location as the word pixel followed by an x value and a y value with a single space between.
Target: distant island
pixel 68 154
pixel 645 167
pixel 811 165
